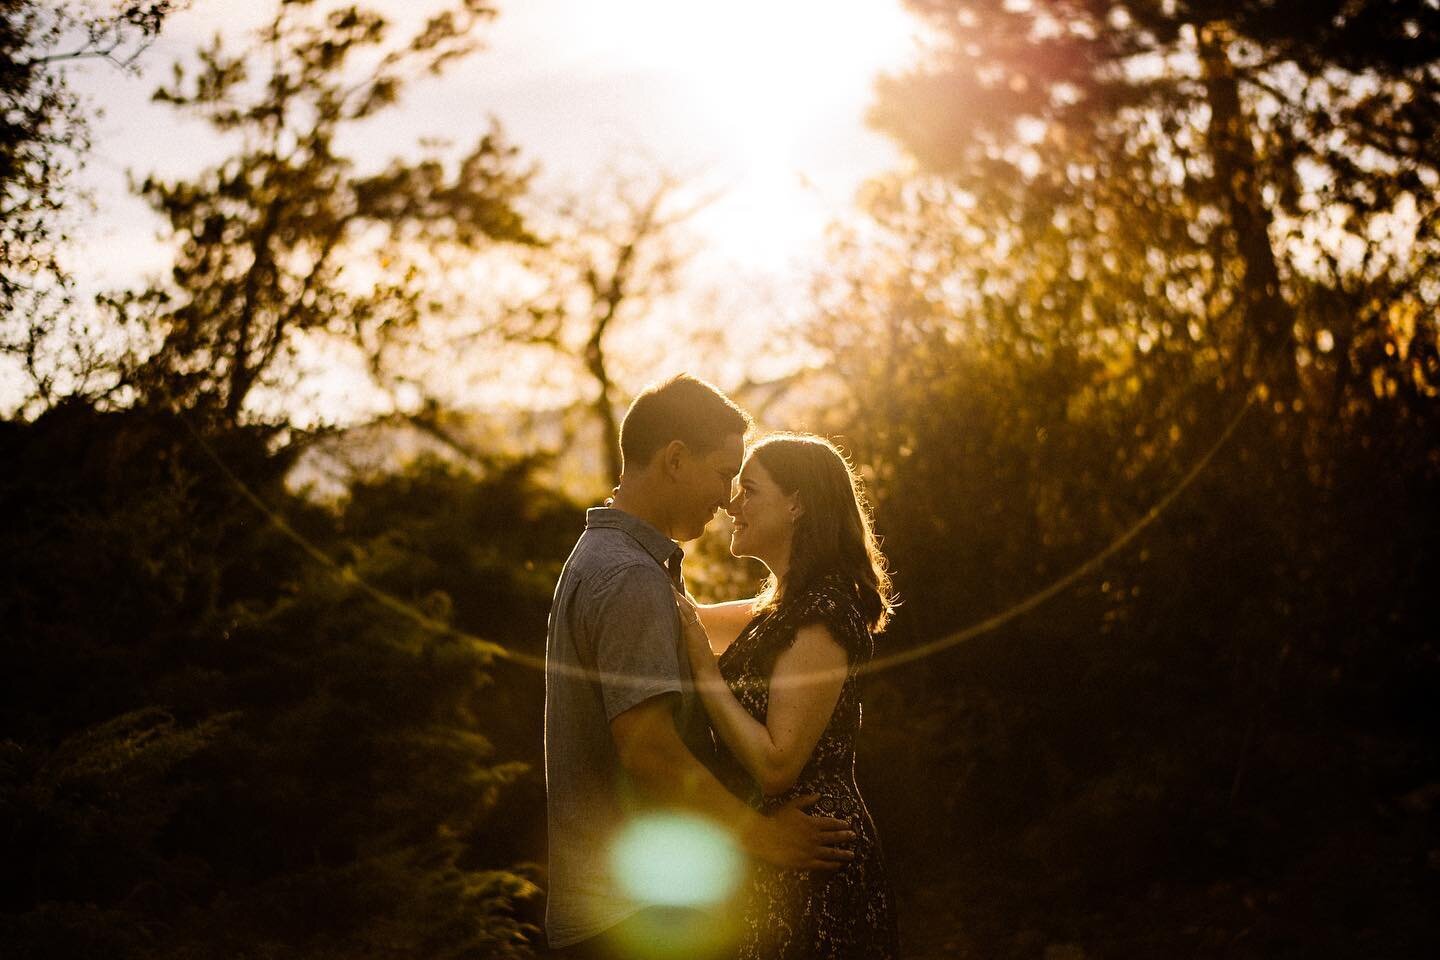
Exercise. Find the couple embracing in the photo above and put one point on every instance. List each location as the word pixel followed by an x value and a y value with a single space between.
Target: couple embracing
pixel 742 715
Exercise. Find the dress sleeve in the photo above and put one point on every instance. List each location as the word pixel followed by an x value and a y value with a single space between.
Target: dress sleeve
pixel 832 602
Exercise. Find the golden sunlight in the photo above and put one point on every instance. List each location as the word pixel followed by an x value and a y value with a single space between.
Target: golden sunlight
pixel 756 106
pixel 780 91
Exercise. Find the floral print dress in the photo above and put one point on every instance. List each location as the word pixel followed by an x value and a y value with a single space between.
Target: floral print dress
pixel 795 914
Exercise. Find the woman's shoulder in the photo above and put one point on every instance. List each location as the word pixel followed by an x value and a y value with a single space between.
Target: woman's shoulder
pixel 833 600
pixel 827 593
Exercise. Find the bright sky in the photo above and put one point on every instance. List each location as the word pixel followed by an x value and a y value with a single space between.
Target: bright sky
pixel 762 100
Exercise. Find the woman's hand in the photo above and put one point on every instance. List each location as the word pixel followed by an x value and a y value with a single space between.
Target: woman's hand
pixel 805 686
pixel 697 640
pixel 689 612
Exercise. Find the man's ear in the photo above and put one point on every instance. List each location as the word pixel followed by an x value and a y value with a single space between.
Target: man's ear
pixel 672 457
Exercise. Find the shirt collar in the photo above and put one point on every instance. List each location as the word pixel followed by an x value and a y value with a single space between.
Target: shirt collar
pixel 659 546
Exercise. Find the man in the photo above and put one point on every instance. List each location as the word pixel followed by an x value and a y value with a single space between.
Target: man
pixel 623 725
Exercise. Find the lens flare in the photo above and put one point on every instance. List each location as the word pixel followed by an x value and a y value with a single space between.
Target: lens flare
pixel 676 860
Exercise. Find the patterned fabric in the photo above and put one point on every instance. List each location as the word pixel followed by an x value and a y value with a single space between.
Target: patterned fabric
pixel 798 914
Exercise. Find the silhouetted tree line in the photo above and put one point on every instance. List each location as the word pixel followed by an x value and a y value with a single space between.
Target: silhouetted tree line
pixel 215 742
pixel 216 746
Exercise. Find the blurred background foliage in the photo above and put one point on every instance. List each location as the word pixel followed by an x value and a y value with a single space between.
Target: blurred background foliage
pixel 1126 225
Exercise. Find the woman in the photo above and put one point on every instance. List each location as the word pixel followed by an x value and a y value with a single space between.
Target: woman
pixel 778 677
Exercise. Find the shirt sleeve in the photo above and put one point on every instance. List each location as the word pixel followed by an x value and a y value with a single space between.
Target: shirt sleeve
pixel 635 626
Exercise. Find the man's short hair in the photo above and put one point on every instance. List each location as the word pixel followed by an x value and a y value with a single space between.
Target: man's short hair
pixel 682 408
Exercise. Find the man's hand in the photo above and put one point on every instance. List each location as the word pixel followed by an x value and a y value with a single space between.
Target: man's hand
pixel 794 840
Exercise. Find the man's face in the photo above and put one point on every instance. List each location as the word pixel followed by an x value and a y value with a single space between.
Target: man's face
pixel 707 480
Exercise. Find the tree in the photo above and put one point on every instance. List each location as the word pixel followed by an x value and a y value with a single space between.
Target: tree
pixel 1126 222
pixel 43 139
pixel 606 259
pixel 212 745
pixel 609 259
pixel 264 239
pixel 1264 168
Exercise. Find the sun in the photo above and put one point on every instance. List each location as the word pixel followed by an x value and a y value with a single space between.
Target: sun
pixel 771 71
pixel 776 90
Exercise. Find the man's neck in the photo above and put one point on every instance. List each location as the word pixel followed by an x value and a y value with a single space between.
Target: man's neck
pixel 635 503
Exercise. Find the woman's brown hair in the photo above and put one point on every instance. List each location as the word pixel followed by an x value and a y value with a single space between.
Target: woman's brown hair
pixel 834 532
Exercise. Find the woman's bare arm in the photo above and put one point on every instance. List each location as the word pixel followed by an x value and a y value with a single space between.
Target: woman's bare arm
pixel 804 688
pixel 724 621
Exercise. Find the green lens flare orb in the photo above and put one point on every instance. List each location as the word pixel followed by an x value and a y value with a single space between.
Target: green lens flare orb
pixel 676 860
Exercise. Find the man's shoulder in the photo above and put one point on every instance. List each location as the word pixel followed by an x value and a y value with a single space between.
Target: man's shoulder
pixel 602 549
pixel 606 558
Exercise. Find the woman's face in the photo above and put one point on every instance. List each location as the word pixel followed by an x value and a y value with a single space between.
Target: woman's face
pixel 764 516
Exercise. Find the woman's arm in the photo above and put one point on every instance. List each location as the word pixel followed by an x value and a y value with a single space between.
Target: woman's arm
pixel 724 621
pixel 804 688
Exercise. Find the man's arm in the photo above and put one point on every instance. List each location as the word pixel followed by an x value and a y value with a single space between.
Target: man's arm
pixel 651 751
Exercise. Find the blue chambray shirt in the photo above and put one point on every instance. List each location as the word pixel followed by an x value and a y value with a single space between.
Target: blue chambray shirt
pixel 614 641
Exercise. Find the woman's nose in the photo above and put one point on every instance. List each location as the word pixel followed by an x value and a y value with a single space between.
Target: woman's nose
pixel 732 508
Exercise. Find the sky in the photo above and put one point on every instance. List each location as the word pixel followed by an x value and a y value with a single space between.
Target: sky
pixel 759 103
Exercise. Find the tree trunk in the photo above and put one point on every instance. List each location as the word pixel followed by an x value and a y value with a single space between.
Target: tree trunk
pixel 1268 354
pixel 242 372
pixel 604 403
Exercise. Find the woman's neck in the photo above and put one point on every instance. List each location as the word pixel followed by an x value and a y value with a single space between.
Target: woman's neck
pixel 781 572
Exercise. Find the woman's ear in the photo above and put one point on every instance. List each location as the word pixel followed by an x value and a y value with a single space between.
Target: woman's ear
pixel 796 510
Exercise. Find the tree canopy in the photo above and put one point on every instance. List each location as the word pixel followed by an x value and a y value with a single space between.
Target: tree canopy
pixel 265 238
pixel 1259 175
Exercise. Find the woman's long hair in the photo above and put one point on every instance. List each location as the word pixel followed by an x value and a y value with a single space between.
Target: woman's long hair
pixel 833 533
